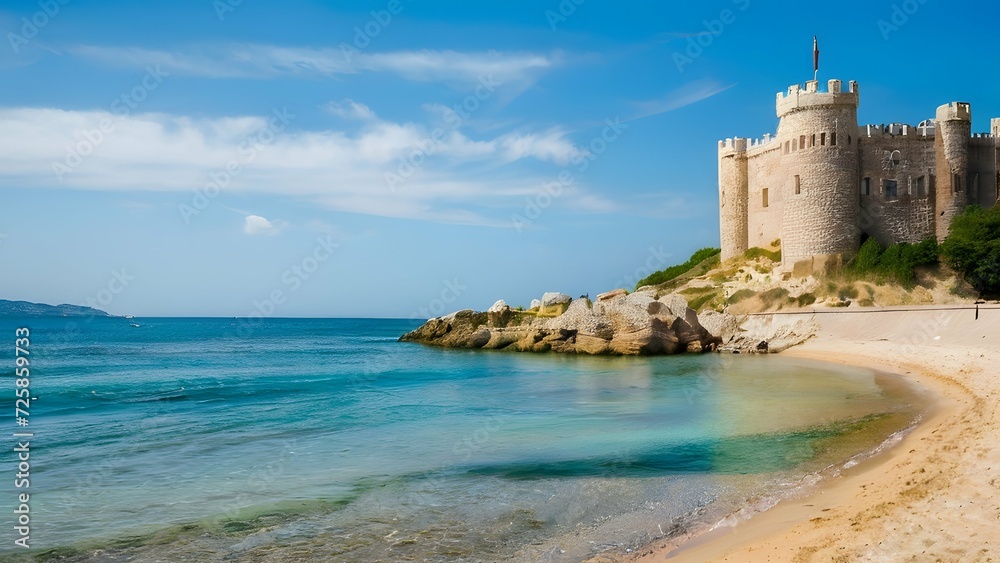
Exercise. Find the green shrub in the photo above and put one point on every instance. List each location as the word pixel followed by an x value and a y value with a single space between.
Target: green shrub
pixel 848 292
pixel 673 272
pixel 896 263
pixel 771 296
pixel 758 252
pixel 697 302
pixel 806 299
pixel 973 247
pixel 741 295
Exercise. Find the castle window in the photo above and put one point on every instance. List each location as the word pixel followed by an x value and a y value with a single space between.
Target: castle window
pixel 795 145
pixel 921 187
pixel 787 144
pixel 802 141
pixel 891 189
pixel 822 139
pixel 833 139
pixel 812 142
pixel 958 183
pixel 764 197
pixel 866 186
pixel 849 139
pixel 798 185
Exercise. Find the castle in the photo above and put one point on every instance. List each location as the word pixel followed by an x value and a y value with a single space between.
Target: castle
pixel 822 183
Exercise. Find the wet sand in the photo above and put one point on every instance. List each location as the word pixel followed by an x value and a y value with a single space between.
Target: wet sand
pixel 933 497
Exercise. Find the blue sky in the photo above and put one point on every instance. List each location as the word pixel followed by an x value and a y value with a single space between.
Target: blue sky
pixel 405 158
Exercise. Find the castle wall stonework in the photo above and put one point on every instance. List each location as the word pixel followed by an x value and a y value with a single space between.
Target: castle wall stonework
pixel 954 127
pixel 908 160
pixel 822 183
pixel 764 173
pixel 819 173
pixel 733 198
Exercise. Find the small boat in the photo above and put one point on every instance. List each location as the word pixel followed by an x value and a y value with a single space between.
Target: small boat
pixel 129 316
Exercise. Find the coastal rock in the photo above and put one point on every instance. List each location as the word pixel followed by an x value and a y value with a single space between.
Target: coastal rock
pixel 551 299
pixel 771 333
pixel 618 324
pixel 554 304
pixel 612 294
pixel 499 314
pixel 722 325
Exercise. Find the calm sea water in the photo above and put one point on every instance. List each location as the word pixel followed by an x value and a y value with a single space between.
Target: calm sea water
pixel 326 439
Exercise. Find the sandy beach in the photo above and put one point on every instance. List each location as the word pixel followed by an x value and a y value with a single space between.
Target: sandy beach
pixel 933 497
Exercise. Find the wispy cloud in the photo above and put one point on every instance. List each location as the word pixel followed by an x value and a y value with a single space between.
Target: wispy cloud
pixel 270 61
pixel 349 109
pixel 688 94
pixel 462 180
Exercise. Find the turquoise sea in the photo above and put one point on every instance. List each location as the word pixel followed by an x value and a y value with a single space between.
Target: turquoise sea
pixel 326 439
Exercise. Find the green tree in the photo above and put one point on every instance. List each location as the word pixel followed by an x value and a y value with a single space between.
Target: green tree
pixel 973 247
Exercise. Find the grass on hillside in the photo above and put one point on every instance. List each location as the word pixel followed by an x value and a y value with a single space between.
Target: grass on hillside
pixel 698 264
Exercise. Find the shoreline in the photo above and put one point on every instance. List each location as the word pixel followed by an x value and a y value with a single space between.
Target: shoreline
pixel 910 500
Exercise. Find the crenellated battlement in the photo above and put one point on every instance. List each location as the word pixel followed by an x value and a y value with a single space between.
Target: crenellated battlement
pixel 954 111
pixel 897 130
pixel 822 179
pixel 738 144
pixel 809 96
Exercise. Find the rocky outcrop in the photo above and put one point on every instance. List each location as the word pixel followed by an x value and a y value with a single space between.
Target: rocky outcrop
pixel 618 324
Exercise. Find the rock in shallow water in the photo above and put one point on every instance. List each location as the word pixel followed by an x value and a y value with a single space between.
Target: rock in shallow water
pixel 618 324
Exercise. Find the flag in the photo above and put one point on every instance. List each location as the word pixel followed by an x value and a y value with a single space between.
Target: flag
pixel 815 54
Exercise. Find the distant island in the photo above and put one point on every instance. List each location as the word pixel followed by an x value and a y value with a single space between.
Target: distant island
pixel 28 309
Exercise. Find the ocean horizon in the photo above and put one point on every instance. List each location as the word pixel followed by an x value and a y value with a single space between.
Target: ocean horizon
pixel 286 439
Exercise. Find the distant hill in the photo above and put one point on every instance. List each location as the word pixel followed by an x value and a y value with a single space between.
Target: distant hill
pixel 26 309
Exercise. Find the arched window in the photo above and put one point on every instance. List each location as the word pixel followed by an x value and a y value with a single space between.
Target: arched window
pixel 798 185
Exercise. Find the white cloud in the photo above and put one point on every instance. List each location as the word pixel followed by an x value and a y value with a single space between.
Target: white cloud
pixel 459 179
pixel 690 93
pixel 257 225
pixel 270 61
pixel 349 109
pixel 551 146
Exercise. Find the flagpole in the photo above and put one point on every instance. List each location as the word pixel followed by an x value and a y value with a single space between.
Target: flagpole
pixel 815 59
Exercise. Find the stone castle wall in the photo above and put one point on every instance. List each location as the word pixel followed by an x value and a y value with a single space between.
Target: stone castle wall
pixel 819 171
pixel 764 173
pixel 822 182
pixel 733 197
pixel 907 158
pixel 984 175
pixel 954 128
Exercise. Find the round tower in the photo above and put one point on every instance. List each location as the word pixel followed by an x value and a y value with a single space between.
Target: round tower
pixel 733 193
pixel 951 144
pixel 818 132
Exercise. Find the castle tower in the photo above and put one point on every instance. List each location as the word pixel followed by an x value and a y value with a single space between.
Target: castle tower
pixel 995 127
pixel 954 128
pixel 733 193
pixel 819 162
